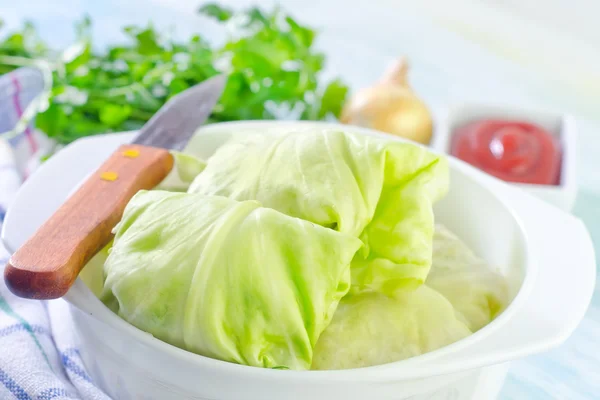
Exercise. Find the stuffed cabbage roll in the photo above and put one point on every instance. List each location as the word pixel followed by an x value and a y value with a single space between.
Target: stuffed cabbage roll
pixel 378 190
pixel 226 279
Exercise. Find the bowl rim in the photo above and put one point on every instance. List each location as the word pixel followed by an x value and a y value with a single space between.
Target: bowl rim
pixel 81 297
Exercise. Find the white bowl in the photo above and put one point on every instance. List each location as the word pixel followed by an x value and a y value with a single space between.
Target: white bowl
pixel 546 254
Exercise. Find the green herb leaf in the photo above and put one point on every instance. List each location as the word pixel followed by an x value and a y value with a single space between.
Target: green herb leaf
pixel 333 99
pixel 52 120
pixel 114 115
pixel 216 11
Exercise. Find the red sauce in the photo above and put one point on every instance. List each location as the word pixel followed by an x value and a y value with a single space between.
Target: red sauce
pixel 513 151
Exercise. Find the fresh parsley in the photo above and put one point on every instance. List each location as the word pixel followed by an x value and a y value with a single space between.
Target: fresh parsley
pixel 272 65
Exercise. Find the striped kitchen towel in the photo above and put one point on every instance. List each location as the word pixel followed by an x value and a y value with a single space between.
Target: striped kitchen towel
pixel 39 354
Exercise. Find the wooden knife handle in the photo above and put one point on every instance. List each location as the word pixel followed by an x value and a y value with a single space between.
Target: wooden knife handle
pixel 46 266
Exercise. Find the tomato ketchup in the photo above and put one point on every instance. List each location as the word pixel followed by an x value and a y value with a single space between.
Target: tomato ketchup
pixel 513 151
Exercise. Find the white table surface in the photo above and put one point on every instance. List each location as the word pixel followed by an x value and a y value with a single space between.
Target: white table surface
pixel 503 51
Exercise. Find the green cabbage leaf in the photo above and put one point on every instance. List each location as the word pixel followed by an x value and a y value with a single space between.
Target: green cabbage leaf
pixel 461 295
pixel 378 190
pixel 471 285
pixel 371 329
pixel 226 279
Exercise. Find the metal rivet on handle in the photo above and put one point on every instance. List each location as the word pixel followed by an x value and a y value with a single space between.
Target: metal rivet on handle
pixel 109 176
pixel 131 153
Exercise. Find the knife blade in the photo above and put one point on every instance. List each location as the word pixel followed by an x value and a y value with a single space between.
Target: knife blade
pixel 46 266
pixel 175 123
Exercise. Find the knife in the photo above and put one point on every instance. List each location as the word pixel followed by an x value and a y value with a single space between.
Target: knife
pixel 46 266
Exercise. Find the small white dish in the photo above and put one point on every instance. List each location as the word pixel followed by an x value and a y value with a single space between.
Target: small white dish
pixel 563 127
pixel 529 240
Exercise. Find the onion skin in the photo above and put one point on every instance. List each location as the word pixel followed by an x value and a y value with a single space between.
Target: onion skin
pixel 391 106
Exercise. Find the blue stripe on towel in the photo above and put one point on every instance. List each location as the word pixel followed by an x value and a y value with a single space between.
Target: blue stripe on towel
pixel 13 386
pixel 72 366
pixel 52 393
pixel 40 330
pixel 4 306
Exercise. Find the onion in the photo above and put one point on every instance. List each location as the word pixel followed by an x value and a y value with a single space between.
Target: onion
pixel 391 106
